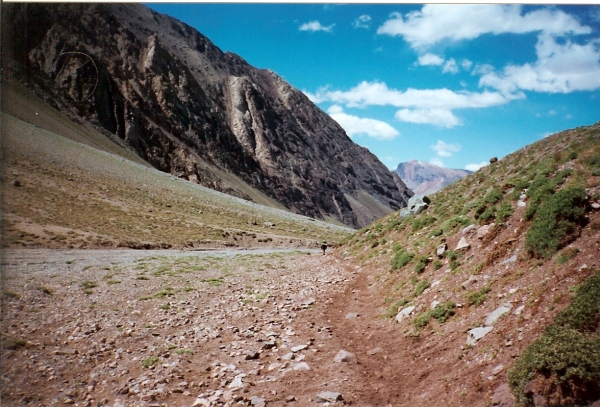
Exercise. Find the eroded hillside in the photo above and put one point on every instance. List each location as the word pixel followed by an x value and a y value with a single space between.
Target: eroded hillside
pixel 472 282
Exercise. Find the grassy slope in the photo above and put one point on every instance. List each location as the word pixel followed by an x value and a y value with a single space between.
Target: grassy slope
pixel 73 195
pixel 504 265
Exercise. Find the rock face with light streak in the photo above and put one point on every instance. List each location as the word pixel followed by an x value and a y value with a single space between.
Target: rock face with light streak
pixel 164 90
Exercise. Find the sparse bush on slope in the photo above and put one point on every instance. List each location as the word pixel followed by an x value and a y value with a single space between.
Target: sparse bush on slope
pixel 556 222
pixel 567 354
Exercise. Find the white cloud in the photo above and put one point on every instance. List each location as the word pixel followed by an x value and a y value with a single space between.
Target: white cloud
pixel 378 94
pixel 475 167
pixel 437 161
pixel 430 59
pixel 363 21
pixel 466 64
pixel 316 26
pixel 560 68
pixel 355 125
pixel 438 117
pixel 450 66
pixel 435 23
pixel 444 149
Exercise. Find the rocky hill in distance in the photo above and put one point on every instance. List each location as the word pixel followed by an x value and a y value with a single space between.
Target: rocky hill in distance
pixel 424 178
pixel 161 89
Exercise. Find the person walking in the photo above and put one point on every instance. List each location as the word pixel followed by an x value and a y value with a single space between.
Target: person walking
pixel 324 246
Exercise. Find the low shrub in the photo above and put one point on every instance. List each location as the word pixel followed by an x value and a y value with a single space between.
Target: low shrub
pixel 477 298
pixel 441 312
pixel 567 352
pixel 420 288
pixel 504 212
pixel 401 259
pixel 556 222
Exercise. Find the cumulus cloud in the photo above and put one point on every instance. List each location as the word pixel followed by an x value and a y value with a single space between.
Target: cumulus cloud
pixel 560 68
pixel 363 21
pixel 355 125
pixel 435 23
pixel 437 161
pixel 316 26
pixel 450 66
pixel 430 59
pixel 475 167
pixel 431 106
pixel 444 149
pixel 378 94
pixel 437 117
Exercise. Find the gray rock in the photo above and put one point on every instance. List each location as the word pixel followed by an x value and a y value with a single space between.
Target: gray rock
pixel 466 284
pixel 302 366
pixel 405 312
pixel 493 316
pixel 299 348
pixel 404 213
pixel 441 249
pixel 351 315
pixel 374 351
pixel 345 356
pixel 511 259
pixel 469 230
pixel 251 355
pixel 484 230
pixel 462 245
pixel 476 334
pixel 258 401
pixel 328 396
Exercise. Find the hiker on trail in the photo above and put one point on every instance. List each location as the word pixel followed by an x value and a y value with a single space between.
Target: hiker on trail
pixel 324 246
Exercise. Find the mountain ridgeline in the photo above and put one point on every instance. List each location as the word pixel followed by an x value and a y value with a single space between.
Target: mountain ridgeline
pixel 159 87
pixel 424 178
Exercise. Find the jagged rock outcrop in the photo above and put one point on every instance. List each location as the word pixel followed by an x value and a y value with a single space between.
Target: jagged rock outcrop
pixel 187 108
pixel 424 178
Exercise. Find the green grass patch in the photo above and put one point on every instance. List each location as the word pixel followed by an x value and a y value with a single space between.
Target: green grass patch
pixel 420 288
pixel 11 294
pixel 215 282
pixel 566 254
pixel 14 343
pixel 393 310
pixel 164 293
pixel 151 361
pixel 401 259
pixel 441 313
pixel 477 298
pixel 568 351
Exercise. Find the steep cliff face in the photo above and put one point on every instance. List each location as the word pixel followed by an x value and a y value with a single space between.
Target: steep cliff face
pixel 424 178
pixel 187 108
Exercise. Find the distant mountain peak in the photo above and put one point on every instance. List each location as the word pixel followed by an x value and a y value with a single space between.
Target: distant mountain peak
pixel 425 178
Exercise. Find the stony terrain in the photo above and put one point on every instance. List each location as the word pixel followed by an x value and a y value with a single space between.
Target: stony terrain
pixel 166 328
pixel 160 88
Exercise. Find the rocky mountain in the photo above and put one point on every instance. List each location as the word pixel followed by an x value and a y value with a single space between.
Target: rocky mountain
pixel 159 87
pixel 425 178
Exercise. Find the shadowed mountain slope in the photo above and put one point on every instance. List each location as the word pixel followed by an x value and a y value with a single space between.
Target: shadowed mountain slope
pixel 162 89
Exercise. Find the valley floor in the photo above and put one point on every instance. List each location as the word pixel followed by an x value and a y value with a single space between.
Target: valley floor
pixel 184 328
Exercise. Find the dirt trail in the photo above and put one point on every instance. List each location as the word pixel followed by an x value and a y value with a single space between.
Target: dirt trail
pixel 152 328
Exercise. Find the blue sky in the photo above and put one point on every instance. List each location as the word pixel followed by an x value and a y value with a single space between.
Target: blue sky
pixel 452 84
